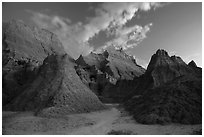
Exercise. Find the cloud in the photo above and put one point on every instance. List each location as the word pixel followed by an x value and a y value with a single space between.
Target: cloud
pixel 114 15
pixel 68 34
pixel 110 17
pixel 129 37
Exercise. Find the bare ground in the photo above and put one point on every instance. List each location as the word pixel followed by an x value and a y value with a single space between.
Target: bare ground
pixel 112 121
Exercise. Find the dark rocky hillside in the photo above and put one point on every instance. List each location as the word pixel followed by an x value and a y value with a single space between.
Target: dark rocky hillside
pixel 57 89
pixel 169 91
pixel 179 101
pixel 121 91
pixel 23 51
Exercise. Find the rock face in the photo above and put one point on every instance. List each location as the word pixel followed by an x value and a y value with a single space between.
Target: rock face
pixel 192 64
pixel 39 76
pixel 101 71
pixel 163 68
pixel 196 69
pixel 169 91
pixel 115 63
pixel 23 51
pixel 57 89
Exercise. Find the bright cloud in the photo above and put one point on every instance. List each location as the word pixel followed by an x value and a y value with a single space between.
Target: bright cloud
pixel 113 15
pixel 110 17
pixel 129 37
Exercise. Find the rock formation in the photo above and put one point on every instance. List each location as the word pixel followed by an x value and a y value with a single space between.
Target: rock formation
pixel 163 68
pixel 23 51
pixel 39 76
pixel 169 91
pixel 57 89
pixel 192 64
pixel 101 71
pixel 115 63
pixel 196 69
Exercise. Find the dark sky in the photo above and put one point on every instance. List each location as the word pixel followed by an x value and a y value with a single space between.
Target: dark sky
pixel 83 27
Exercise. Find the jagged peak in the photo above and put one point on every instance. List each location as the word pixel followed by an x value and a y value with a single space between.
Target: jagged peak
pixel 81 57
pixel 161 58
pixel 192 63
pixel 113 52
pixel 163 68
pixel 161 52
pixel 158 59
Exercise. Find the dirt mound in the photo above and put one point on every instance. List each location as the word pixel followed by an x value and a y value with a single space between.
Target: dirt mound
pixel 169 91
pixel 23 50
pixel 57 89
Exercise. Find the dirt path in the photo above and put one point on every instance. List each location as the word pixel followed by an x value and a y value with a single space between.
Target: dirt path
pixel 112 121
pixel 104 121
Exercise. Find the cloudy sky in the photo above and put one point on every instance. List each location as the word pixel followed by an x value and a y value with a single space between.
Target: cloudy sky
pixel 139 28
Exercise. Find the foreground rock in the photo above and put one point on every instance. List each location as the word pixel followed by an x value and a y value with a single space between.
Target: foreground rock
pixel 169 91
pixel 23 50
pixel 57 90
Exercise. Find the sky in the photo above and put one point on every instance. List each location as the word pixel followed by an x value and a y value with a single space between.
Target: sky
pixel 139 28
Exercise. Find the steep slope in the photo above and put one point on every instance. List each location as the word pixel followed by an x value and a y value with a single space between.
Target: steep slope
pixel 169 91
pixel 57 89
pixel 23 51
